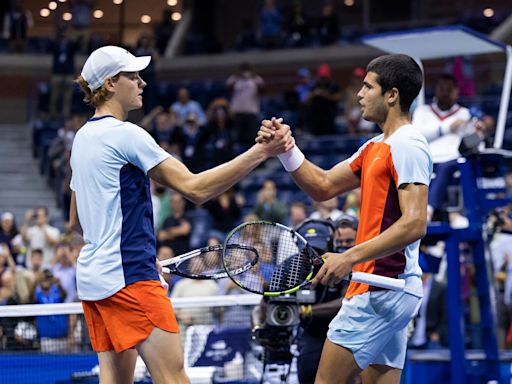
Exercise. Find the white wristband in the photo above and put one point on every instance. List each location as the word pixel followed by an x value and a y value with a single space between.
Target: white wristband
pixel 292 159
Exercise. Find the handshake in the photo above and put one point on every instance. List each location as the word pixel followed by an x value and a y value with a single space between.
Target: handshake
pixel 278 141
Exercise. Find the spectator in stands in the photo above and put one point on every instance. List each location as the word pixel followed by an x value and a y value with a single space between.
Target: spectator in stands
pixel 63 71
pixel 298 27
pixel 7 274
pixel 326 210
pixel 226 212
pixel 58 160
pixel 195 288
pixel 246 38
pixel 26 278
pixel 220 143
pixel 176 229
pixel 234 316
pixel 442 123
pixel 163 31
pixel 162 197
pixel 64 269
pixel 65 178
pixel 184 107
pixel 303 91
pixel 146 47
pixel 323 102
pixel 192 137
pixel 353 116
pixel 271 22
pixel 245 87
pixel 508 181
pixel 52 330
pixel 297 214
pixel 8 231
pixel 267 206
pixel 37 233
pixel 17 22
pixel 352 202
pixel 81 22
pixel 303 88
pixel 328 28
pixel 431 327
pixel 500 223
pixel 161 124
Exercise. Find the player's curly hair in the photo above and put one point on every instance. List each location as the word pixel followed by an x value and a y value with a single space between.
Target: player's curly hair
pixel 97 97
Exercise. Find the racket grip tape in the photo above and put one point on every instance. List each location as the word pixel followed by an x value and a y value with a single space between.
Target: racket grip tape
pixel 378 281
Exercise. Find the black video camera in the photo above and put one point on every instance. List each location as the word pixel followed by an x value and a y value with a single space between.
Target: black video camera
pixel 282 313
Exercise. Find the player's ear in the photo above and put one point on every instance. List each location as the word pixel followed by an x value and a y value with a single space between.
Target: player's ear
pixel 393 96
pixel 108 84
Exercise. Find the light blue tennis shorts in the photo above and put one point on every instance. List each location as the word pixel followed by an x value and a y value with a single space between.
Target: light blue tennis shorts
pixel 374 327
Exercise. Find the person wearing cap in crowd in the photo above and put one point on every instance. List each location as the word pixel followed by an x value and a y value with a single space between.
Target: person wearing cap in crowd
pixel 315 318
pixel 8 230
pixel 301 97
pixel 304 86
pixel 323 102
pixel 125 306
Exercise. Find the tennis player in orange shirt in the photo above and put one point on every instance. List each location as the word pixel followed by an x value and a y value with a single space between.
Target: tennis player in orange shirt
pixel 369 334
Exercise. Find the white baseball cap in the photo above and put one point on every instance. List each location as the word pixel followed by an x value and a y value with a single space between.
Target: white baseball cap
pixel 109 61
pixel 7 216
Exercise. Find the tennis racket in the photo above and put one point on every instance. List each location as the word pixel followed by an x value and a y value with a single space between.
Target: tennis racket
pixel 206 263
pixel 286 261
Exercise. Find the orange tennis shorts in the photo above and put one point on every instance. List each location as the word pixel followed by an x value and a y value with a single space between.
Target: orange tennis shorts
pixel 126 318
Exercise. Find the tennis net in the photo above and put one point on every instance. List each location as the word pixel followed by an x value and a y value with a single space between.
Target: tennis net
pixel 49 343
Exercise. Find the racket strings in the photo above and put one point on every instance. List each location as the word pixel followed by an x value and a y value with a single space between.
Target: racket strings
pixel 205 264
pixel 282 262
pixel 209 263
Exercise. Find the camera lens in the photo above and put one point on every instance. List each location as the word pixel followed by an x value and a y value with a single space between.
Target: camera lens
pixel 282 314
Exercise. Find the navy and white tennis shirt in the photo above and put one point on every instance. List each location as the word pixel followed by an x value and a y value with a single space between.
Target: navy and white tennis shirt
pixel 110 160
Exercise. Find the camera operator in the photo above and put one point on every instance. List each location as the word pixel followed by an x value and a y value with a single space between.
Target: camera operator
pixel 315 318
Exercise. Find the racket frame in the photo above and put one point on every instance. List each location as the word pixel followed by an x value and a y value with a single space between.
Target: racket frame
pixel 177 260
pixel 358 277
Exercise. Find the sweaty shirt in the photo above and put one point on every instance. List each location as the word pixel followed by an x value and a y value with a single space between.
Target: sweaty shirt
pixel 383 166
pixel 110 160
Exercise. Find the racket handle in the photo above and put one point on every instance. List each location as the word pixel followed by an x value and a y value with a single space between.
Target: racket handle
pixel 378 281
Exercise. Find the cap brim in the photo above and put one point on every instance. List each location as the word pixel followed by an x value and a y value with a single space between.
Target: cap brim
pixel 138 64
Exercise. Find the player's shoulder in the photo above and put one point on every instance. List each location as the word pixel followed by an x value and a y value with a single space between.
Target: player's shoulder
pixel 408 134
pixel 126 130
pixel 408 139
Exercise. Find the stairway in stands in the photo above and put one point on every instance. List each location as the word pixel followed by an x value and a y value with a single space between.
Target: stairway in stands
pixel 21 185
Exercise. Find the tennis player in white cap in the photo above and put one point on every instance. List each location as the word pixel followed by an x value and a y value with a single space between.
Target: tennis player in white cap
pixel 125 306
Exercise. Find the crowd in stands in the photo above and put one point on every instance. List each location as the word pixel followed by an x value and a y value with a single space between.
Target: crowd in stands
pixel 205 125
pixel 277 25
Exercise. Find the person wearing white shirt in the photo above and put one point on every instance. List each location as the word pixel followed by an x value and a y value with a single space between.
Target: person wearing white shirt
pixel 185 106
pixel 443 123
pixel 126 307
pixel 38 234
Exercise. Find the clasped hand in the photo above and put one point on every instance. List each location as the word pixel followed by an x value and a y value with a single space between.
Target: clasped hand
pixel 276 136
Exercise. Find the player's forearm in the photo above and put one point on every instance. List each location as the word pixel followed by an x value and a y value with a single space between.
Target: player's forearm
pixel 312 180
pixel 402 233
pixel 203 186
pixel 320 184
